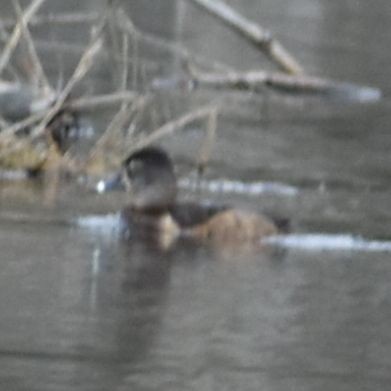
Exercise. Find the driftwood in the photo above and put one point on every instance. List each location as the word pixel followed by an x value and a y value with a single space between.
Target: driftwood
pixel 300 84
pixel 254 33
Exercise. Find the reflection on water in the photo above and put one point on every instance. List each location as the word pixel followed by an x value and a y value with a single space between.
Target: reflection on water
pixel 85 309
pixel 97 312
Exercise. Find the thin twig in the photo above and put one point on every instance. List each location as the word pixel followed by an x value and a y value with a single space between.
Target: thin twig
pixel 163 44
pixel 66 18
pixel 125 50
pixel 138 109
pixel 128 28
pixel 207 145
pixel 174 125
pixel 93 102
pixel 114 48
pixel 14 38
pixel 116 124
pixel 101 156
pixel 85 63
pixel 78 49
pixel 27 122
pixel 136 59
pixel 81 69
pixel 4 37
pixel 38 69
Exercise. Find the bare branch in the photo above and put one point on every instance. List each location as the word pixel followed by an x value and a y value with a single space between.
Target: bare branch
pixel 256 80
pixel 257 35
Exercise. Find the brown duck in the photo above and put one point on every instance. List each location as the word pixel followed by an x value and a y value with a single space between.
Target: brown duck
pixel 149 177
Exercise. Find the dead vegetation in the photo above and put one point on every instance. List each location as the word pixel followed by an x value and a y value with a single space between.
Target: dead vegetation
pixel 37 117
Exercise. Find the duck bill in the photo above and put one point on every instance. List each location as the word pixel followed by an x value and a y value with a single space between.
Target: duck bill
pixel 110 184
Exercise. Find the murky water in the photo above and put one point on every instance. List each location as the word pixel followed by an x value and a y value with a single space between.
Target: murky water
pixel 83 309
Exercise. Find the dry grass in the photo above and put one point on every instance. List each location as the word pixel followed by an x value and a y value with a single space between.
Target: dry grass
pixel 27 142
pixel 115 44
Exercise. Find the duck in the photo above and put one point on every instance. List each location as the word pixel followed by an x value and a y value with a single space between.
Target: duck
pixel 154 209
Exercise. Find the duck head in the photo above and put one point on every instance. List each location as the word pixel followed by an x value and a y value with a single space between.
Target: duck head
pixel 148 176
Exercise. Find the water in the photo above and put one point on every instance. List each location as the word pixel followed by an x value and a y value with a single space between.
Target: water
pixel 84 309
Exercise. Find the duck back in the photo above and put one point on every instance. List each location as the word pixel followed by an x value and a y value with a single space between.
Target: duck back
pixel 233 225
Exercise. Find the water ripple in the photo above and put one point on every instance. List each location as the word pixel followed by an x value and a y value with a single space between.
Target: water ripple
pixel 237 187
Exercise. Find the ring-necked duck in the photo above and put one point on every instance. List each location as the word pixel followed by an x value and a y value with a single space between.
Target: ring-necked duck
pixel 149 177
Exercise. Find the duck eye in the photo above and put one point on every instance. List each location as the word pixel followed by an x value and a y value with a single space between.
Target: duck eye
pixel 134 167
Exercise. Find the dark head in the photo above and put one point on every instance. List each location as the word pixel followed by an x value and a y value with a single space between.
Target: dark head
pixel 149 176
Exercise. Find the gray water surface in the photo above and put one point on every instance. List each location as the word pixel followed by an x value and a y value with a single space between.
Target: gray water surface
pixel 83 308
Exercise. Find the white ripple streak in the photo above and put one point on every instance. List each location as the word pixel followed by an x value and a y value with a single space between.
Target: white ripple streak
pixel 99 223
pixel 226 186
pixel 326 242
